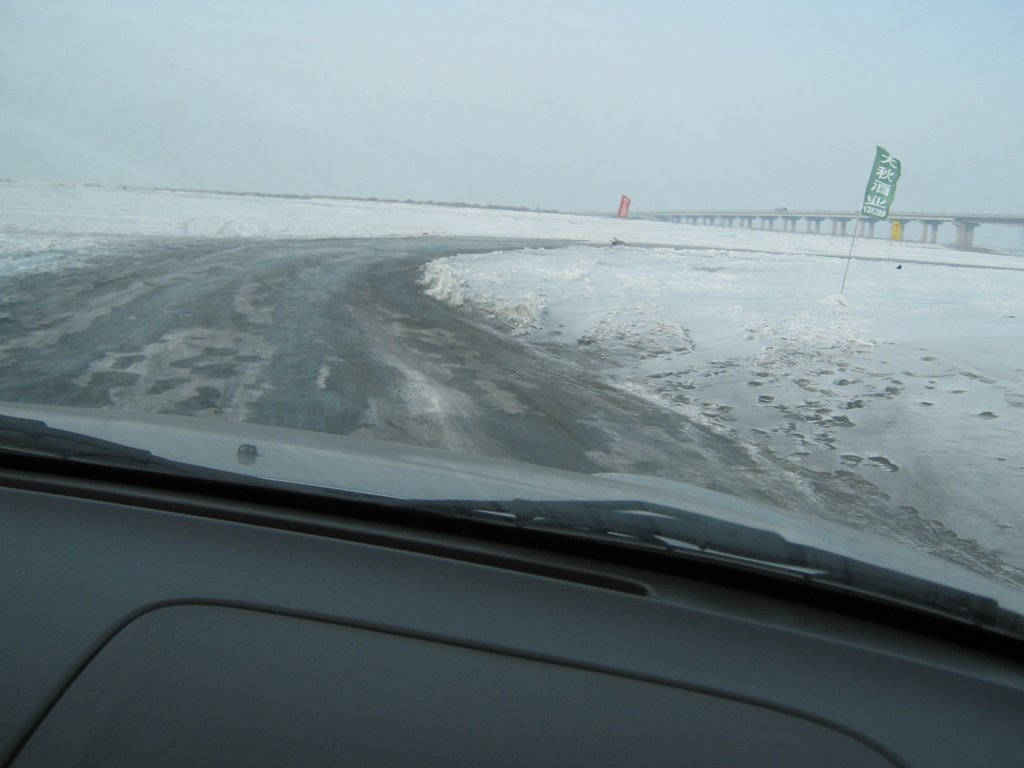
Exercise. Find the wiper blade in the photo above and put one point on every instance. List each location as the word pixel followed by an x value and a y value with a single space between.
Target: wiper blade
pixel 36 438
pixel 662 526
pixel 691 534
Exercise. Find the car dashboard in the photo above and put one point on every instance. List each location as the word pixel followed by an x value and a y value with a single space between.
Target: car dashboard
pixel 169 622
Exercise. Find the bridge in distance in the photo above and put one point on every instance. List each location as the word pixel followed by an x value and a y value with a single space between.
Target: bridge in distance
pixel 965 223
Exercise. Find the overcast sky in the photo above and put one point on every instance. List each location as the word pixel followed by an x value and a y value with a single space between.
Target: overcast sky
pixel 545 104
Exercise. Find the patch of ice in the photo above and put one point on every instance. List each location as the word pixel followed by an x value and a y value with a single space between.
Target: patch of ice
pixel 322 375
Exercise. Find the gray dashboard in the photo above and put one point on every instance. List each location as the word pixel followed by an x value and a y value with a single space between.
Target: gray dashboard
pixel 161 632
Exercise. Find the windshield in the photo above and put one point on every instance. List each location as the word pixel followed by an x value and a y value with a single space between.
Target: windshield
pixel 772 252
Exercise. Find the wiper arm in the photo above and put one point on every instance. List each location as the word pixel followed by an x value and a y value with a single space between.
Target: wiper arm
pixel 652 524
pixel 691 534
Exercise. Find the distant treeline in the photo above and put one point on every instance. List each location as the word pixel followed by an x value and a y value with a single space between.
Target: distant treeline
pixel 296 196
pixel 407 201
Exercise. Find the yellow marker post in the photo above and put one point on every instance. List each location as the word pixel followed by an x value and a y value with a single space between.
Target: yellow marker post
pixel 897 230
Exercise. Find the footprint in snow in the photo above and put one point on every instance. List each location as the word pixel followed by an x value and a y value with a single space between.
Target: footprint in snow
pixel 839 421
pixel 880 462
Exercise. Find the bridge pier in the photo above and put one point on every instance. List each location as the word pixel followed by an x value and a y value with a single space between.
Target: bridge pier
pixel 839 225
pixel 814 225
pixel 767 222
pixel 929 231
pixel 965 233
pixel 865 229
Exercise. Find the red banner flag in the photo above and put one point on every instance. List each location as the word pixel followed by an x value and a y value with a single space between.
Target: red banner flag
pixel 624 207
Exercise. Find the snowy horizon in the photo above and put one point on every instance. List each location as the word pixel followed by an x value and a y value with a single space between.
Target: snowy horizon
pixel 53 207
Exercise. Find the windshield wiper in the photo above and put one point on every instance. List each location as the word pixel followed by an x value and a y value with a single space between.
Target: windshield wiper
pixel 690 534
pixel 30 437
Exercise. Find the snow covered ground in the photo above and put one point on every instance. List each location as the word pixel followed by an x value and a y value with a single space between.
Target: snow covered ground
pixel 912 379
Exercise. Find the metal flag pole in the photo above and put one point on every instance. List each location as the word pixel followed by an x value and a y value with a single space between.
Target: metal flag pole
pixel 849 256
pixel 878 196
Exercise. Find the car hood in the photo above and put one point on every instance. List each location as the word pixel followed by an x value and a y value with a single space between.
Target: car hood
pixel 398 471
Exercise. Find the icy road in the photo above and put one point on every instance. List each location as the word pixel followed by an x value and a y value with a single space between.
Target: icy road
pixel 335 336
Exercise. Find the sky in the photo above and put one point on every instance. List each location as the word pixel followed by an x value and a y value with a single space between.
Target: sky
pixel 565 105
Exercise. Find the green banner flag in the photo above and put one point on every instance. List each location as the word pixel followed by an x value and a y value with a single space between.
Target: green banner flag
pixel 881 185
